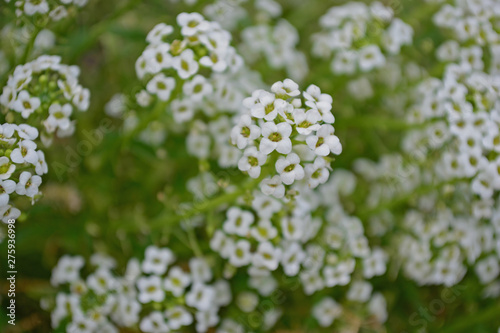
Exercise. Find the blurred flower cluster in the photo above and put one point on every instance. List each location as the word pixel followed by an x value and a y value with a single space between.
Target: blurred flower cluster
pixel 253 165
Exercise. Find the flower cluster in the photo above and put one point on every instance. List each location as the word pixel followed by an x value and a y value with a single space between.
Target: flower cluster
pixel 153 294
pixel 360 37
pixel 199 79
pixel 45 93
pixel 277 43
pixel 291 131
pixel 55 10
pixel 268 236
pixel 21 166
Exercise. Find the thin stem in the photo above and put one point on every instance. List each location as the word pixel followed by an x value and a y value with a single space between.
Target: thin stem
pixel 193 242
pixel 29 46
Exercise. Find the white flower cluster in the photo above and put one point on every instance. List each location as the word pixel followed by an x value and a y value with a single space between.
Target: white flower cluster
pixel 278 44
pixel 323 253
pixel 201 81
pixel 154 294
pixel 21 166
pixel 464 110
pixel 55 10
pixel 290 129
pixel 45 93
pixel 470 21
pixel 360 37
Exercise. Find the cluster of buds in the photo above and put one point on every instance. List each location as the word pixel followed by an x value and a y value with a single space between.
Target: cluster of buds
pixel 45 93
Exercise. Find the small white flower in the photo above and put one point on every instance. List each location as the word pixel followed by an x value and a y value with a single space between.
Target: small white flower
pixel 26 153
pixel 156 35
pixel 25 104
pixel 150 289
pixel 101 281
pixel 289 168
pixel 245 132
pixel 67 270
pixel 157 260
pixel 370 57
pixel 178 317
pixel 326 311
pixel 238 221
pixel 200 297
pixel 154 323
pixel 200 270
pixel 264 231
pixel 251 161
pixel 177 281
pixel 286 88
pixel 324 141
pixel 161 86
pixel 273 186
pixel 185 64
pixel 28 184
pixel 276 137
pixel 192 23
pixel 6 168
pixel 267 256
pixel 197 88
pixel 240 254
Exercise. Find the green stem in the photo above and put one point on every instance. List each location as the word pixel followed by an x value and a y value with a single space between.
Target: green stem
pixel 193 242
pixel 29 46
pixel 464 324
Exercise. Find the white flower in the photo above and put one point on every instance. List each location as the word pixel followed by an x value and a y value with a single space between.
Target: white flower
pixel 317 173
pixel 156 35
pixel 289 168
pixel 200 270
pixel 311 281
pixel 197 88
pixel 245 132
pixel 150 289
pixel 24 131
pixel 251 161
pixel 238 221
pixel 192 23
pixel 177 281
pixel 276 137
pixel 287 87
pixel 370 57
pixel 200 297
pixel 67 270
pixel 28 184
pixel 8 212
pixel 31 7
pixel 221 244
pixel 6 187
pixel 26 153
pixel 267 256
pixel 41 166
pixel 360 291
pixel 177 317
pixel 273 186
pixel 324 141
pixel 292 258
pixel 263 231
pixel 154 323
pixel 326 311
pixel 161 86
pixel 185 64
pixel 6 168
pixel 58 117
pixel 267 106
pixel 101 281
pixel 247 301
pixel 240 254
pixel 25 104
pixel 488 269
pixel 157 260
pixel 182 110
